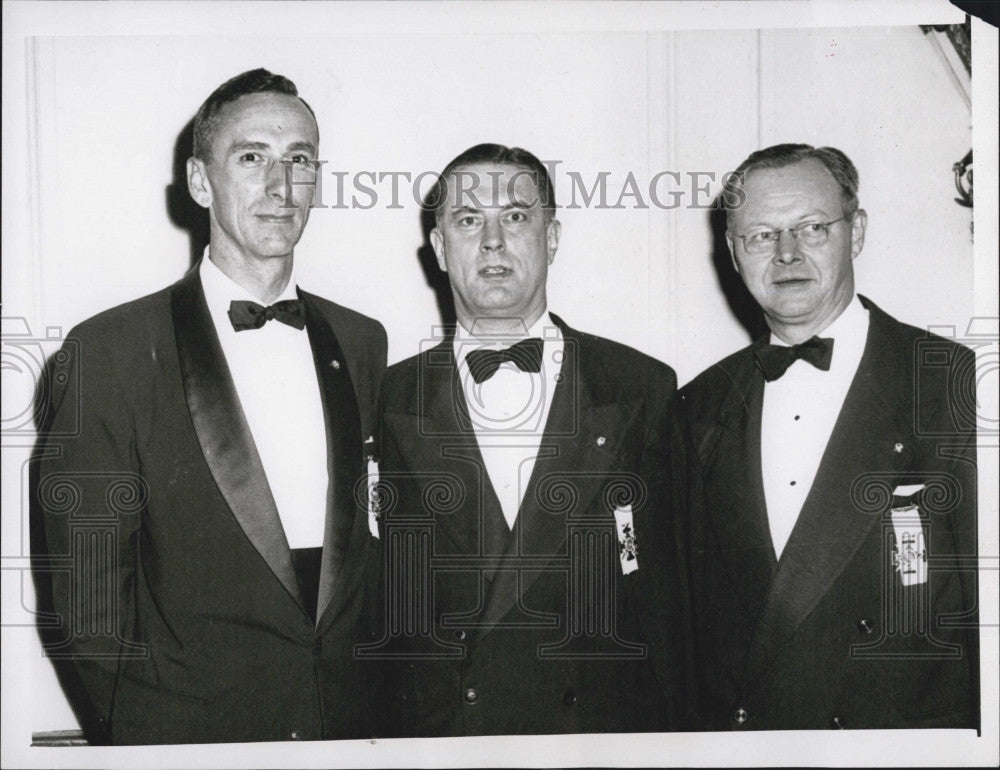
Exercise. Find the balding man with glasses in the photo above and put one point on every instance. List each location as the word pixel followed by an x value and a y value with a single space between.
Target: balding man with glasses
pixel 832 482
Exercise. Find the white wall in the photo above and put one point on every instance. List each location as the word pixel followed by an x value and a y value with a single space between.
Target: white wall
pixel 640 103
pixel 94 121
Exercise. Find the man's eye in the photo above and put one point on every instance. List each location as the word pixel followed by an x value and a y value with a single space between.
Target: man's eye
pixel 812 228
pixel 467 221
pixel 300 159
pixel 764 236
pixel 517 216
pixel 249 157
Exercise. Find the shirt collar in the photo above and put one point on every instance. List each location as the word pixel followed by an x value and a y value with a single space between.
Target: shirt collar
pixel 220 289
pixel 849 330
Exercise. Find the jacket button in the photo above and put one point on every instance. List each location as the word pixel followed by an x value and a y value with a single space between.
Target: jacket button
pixel 838 723
pixel 295 735
pixel 569 698
pixel 740 716
pixel 865 626
pixel 471 695
pixel 460 635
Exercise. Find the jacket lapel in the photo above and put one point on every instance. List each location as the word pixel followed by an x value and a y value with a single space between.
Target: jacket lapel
pixel 830 527
pixel 444 446
pixel 572 467
pixel 346 525
pixel 223 432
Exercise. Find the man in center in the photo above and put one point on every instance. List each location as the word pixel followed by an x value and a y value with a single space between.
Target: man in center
pixel 524 494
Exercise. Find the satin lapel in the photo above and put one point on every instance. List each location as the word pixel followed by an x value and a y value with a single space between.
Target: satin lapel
pixel 346 521
pixel 443 445
pixel 223 432
pixel 735 505
pixel 571 470
pixel 830 527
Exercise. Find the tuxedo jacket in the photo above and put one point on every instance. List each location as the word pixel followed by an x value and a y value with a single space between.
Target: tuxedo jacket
pixel 537 629
pixel 173 579
pixel 828 635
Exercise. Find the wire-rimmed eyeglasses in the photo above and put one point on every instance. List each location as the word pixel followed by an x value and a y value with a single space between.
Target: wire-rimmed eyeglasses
pixel 760 242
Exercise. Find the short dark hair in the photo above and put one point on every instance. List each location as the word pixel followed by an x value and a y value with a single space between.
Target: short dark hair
pixel 258 81
pixel 781 155
pixel 497 154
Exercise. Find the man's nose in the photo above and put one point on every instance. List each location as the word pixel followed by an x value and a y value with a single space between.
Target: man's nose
pixel 786 250
pixel 274 181
pixel 492 236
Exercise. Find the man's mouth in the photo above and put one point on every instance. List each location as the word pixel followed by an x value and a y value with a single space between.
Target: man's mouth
pixel 495 271
pixel 278 219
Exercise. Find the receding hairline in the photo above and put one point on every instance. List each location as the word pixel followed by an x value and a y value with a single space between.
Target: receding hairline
pixel 838 166
pixel 234 103
pixel 520 169
pixel 221 116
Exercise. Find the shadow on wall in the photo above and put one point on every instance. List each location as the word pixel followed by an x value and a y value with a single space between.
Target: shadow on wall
pixel 739 299
pixel 43 564
pixel 181 208
pixel 437 279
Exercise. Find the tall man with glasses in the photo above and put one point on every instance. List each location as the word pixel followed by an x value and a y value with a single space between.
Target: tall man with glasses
pixel 531 581
pixel 214 553
pixel 832 482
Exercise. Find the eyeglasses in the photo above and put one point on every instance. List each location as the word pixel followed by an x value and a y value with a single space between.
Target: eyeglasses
pixel 762 242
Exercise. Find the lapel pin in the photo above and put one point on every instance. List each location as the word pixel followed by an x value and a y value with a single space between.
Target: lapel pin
pixel 335 363
pixel 601 441
pixel 898 448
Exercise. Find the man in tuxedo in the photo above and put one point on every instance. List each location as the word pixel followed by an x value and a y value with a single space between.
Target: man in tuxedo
pixel 523 482
pixel 205 511
pixel 832 476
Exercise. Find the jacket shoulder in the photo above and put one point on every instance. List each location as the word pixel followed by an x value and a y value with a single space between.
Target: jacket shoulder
pixel 132 320
pixel 628 369
pixel 402 378
pixel 346 319
pixel 717 378
pixel 911 338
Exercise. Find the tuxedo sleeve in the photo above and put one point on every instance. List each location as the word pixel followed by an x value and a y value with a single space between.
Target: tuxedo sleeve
pixel 964 519
pixel 91 495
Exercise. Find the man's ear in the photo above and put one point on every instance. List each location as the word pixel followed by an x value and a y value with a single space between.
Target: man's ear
pixel 552 233
pixel 732 252
pixel 437 241
pixel 198 184
pixel 858 227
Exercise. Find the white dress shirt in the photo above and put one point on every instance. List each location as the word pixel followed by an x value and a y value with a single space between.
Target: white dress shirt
pixel 275 378
pixel 800 410
pixel 509 410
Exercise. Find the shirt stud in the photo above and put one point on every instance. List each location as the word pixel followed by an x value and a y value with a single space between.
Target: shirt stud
pixel 335 363
pixel 898 448
pixel 601 441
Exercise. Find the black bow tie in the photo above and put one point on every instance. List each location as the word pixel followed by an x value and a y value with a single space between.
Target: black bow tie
pixel 526 355
pixel 774 360
pixel 245 314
